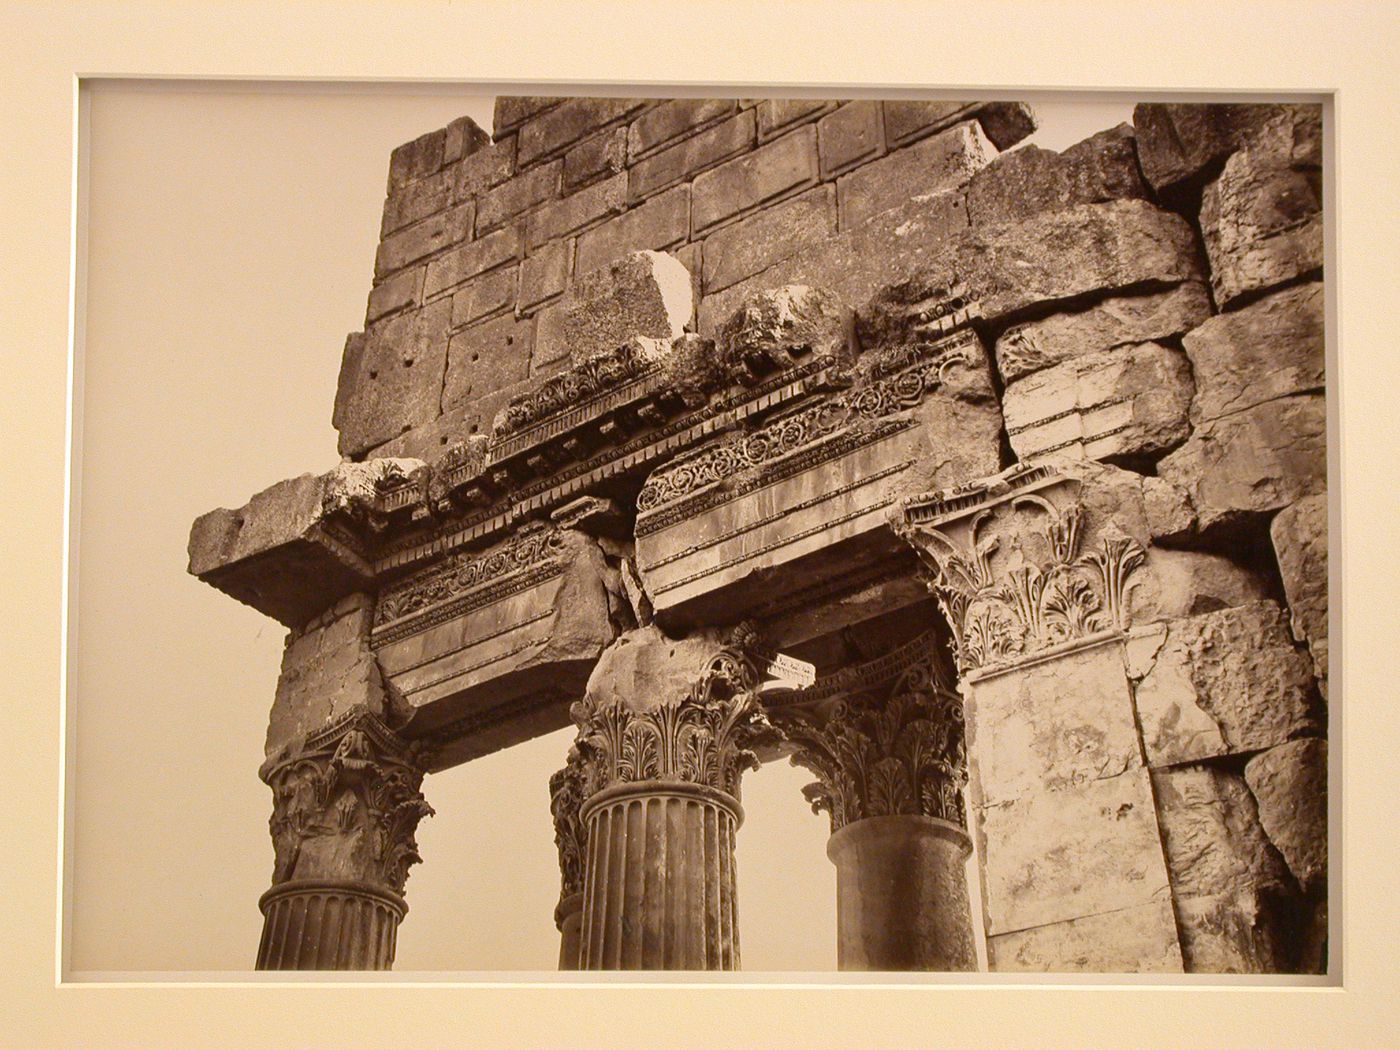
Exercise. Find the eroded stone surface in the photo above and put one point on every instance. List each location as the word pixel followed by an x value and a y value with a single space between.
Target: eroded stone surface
pixel 1261 221
pixel 1140 939
pixel 1290 784
pixel 1233 899
pixel 1129 403
pixel 1180 141
pixel 1253 462
pixel 1227 682
pixel 770 327
pixel 1119 320
pixel 1269 349
pixel 1300 542
pixel 1030 180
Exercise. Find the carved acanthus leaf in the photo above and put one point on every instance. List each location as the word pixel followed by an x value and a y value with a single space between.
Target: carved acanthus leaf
pixel 357 783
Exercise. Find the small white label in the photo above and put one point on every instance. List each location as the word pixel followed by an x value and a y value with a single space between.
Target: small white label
pixel 789 672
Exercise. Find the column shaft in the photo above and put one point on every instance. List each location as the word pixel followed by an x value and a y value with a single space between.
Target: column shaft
pixel 328 925
pixel 659 889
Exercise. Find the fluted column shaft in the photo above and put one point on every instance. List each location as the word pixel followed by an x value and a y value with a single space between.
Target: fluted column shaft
pixel 659 884
pixel 311 924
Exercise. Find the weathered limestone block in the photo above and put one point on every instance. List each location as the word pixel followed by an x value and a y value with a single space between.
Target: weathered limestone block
pixel 1290 784
pixel 328 669
pixel 1178 142
pixel 770 328
pixel 1299 537
pixel 391 379
pixel 1261 221
pixel 488 647
pixel 1064 255
pixel 1227 682
pixel 644 294
pixel 1005 123
pixel 1140 939
pixel 938 164
pixel 1026 181
pixel 1119 320
pixel 487 357
pixel 1253 462
pixel 1233 898
pixel 281 553
pixel 1126 404
pixel 751 245
pixel 1269 349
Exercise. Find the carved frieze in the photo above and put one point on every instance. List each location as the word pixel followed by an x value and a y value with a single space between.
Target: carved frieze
pixel 1007 564
pixel 533 554
pixel 348 805
pixel 706 737
pixel 884 738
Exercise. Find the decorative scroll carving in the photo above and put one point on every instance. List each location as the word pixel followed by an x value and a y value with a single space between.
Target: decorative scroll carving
pixel 534 554
pixel 923 371
pixel 560 393
pixel 1046 592
pixel 879 754
pixel 348 805
pixel 566 795
pixel 706 738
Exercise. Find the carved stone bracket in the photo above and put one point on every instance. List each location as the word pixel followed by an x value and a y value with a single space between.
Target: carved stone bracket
pixel 705 738
pixel 347 806
pixel 1007 564
pixel 881 746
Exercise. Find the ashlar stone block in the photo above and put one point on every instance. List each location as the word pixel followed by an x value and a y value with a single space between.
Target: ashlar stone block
pixel 943 162
pixel 644 294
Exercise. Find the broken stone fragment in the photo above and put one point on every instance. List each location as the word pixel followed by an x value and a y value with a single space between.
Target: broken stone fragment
pixel 1299 536
pixel 1269 349
pixel 1224 683
pixel 1178 142
pixel 1261 221
pixel 1126 404
pixel 644 294
pixel 770 329
pixel 1290 784
pixel 1024 182
pixel 1233 898
pixel 1118 320
pixel 1251 463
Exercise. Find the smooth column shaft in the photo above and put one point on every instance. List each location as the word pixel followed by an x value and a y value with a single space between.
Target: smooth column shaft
pixel 659 883
pixel 901 895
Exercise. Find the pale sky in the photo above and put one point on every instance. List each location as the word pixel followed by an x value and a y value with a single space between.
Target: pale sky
pixel 231 240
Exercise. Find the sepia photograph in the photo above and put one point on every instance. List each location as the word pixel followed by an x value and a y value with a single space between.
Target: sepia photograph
pixel 955 469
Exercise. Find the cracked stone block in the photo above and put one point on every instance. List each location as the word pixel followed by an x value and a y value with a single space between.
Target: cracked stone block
pixel 1290 785
pixel 769 325
pixel 1269 349
pixel 1119 320
pixel 1065 854
pixel 1130 403
pixel 1019 184
pixel 1140 939
pixel 645 294
pixel 1179 142
pixel 1228 682
pixel 1261 221
pixel 1181 583
pixel 1231 891
pixel 328 669
pixel 1253 462
pixel 391 380
pixel 1299 536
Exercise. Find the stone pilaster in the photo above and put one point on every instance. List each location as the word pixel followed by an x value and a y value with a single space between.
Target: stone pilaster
pixel 345 809
pixel 885 740
pixel 662 769
pixel 571 837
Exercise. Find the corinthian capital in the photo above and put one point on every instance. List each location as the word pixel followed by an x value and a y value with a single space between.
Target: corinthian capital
pixel 705 735
pixel 566 795
pixel 347 805
pixel 881 746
